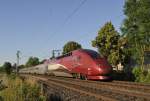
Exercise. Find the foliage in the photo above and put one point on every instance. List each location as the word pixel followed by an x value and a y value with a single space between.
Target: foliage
pixel 8 68
pixel 19 90
pixel 12 76
pixel 21 66
pixel 140 75
pixel 136 27
pixel 70 46
pixel 110 44
pixel 32 61
pixel 2 69
pixel 107 39
pixel 30 92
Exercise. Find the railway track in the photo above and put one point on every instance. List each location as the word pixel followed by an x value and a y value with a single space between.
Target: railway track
pixel 131 86
pixel 107 91
pixel 120 85
pixel 82 92
pixel 110 92
pixel 132 83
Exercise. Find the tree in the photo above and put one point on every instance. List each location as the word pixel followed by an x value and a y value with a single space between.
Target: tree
pixel 136 27
pixel 70 46
pixel 8 68
pixel 107 39
pixel 111 45
pixel 107 43
pixel 32 61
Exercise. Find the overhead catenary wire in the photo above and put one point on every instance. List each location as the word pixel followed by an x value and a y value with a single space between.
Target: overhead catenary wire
pixel 69 17
pixel 63 24
pixel 74 11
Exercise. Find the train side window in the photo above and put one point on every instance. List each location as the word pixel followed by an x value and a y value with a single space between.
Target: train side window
pixel 79 57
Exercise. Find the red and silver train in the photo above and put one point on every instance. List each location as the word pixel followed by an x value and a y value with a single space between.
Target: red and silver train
pixel 81 63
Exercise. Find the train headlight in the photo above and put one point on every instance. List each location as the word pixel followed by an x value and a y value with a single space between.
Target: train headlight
pixel 89 69
pixel 99 69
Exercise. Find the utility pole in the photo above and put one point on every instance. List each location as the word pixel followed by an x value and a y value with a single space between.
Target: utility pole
pixel 18 57
pixel 54 52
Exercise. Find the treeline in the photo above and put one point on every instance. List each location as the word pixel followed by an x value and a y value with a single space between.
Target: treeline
pixel 9 68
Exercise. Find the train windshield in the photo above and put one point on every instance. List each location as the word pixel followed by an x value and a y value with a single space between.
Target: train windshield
pixel 93 54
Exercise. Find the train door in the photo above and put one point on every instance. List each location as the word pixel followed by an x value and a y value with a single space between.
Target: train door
pixel 76 63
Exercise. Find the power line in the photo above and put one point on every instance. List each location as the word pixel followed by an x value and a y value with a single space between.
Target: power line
pixel 74 11
pixel 70 16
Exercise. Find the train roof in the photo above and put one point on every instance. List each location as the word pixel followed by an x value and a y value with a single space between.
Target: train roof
pixel 40 65
pixel 65 55
pixel 90 52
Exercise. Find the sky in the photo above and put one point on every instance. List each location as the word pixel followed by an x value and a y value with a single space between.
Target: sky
pixel 36 27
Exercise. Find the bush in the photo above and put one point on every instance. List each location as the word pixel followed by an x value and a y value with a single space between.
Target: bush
pixel 30 92
pixel 8 67
pixel 147 79
pixel 141 75
pixel 12 76
pixel 21 90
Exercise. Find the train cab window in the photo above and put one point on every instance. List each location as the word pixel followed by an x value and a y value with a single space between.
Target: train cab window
pixel 93 54
pixel 65 55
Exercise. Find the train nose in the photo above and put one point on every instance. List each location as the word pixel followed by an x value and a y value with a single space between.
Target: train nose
pixel 104 69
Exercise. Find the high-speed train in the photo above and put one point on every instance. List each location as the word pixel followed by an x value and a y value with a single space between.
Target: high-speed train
pixel 81 63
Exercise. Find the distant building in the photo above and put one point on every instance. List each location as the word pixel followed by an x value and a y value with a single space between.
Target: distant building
pixel 120 67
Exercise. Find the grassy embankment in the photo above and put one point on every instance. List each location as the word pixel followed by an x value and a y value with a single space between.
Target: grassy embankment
pixel 19 90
